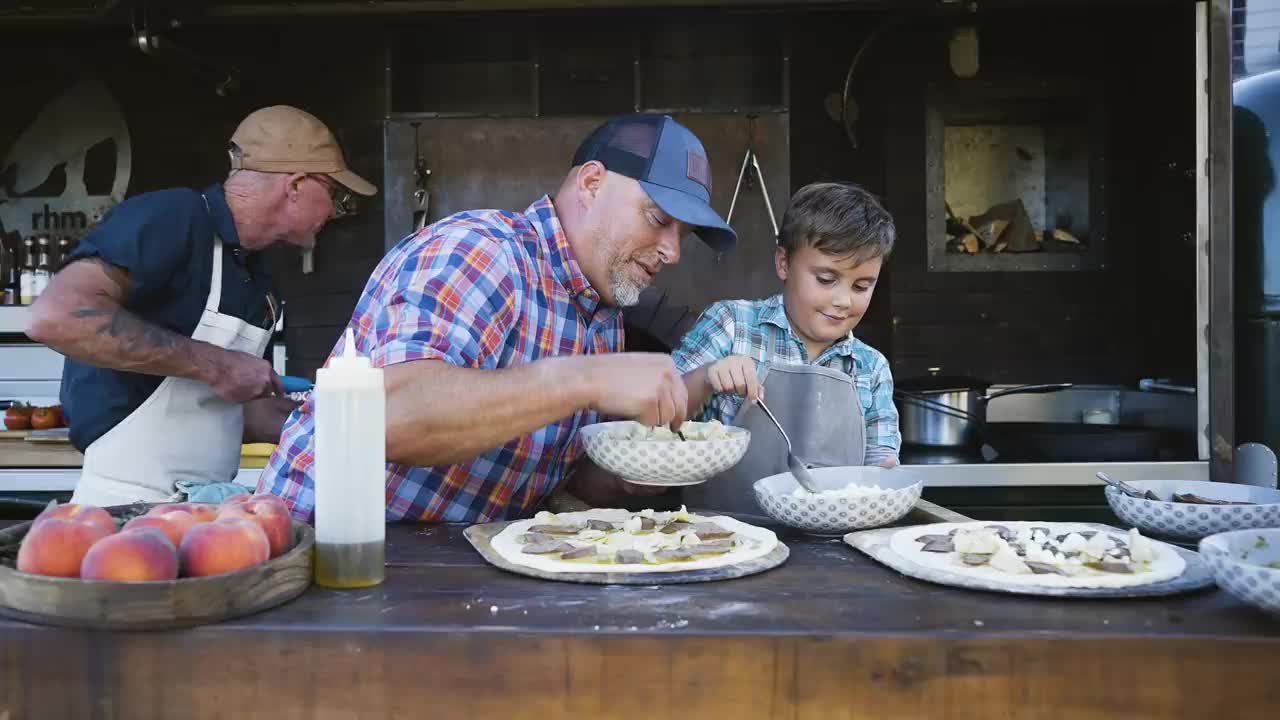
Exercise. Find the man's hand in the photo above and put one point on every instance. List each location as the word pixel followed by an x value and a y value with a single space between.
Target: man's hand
pixel 889 463
pixel 264 418
pixel 643 386
pixel 240 377
pixel 735 374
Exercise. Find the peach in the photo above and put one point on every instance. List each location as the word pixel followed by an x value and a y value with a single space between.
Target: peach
pixel 202 512
pixel 224 546
pixel 57 545
pixel 234 499
pixel 272 517
pixel 173 524
pixel 89 514
pixel 141 554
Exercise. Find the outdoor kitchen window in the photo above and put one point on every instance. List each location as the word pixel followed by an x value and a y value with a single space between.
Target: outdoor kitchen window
pixel 1015 178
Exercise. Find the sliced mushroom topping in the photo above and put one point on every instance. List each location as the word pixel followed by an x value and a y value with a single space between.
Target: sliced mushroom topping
pixel 934 538
pixel 534 538
pixel 939 546
pixel 1042 530
pixel 1088 534
pixel 630 557
pixel 711 531
pixel 1111 567
pixel 1005 533
pixel 579 553
pixel 675 527
pixel 1040 568
pixel 546 548
pixel 600 525
pixel 1019 548
pixel 555 529
pixel 1151 496
pixel 975 558
pixel 711 548
pixel 674 554
pixel 1201 500
pixel 953 532
pixel 647 523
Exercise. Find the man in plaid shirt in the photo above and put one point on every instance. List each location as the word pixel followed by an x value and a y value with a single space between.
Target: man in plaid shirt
pixel 500 333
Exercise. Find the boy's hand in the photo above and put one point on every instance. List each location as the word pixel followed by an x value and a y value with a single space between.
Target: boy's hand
pixel 735 374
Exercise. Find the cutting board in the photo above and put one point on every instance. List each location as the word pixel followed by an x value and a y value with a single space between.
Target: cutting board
pixel 14 434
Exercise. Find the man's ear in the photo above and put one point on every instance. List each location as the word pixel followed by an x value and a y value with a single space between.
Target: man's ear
pixel 293 185
pixel 591 177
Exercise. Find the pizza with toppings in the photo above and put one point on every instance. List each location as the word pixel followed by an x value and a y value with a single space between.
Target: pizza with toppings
pixel 1039 553
pixel 619 541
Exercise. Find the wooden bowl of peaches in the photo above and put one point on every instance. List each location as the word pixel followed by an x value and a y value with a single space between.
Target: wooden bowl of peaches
pixel 153 566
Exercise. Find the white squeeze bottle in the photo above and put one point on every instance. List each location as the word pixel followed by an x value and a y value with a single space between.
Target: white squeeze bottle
pixel 350 471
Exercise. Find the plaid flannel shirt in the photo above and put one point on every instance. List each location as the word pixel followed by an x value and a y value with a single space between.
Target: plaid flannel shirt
pixel 737 327
pixel 486 289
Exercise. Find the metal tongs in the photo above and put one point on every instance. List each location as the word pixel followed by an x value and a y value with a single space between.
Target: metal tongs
pixel 420 175
pixel 745 176
pixel 1126 488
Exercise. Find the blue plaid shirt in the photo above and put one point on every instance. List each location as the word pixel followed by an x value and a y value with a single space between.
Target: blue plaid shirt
pixel 739 327
pixel 484 290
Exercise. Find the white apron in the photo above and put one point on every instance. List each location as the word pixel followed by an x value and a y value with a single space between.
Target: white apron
pixel 183 431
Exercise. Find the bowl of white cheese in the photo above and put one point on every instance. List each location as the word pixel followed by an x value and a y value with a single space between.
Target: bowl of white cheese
pixel 849 498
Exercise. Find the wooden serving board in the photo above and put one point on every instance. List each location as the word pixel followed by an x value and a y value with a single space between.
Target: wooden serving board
pixel 875 543
pixel 480 536
pixel 178 603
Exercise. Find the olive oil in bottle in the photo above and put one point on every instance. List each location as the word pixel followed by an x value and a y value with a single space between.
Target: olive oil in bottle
pixel 350 471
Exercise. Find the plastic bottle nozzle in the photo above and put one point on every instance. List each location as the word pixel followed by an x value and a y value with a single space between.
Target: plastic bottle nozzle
pixel 349 350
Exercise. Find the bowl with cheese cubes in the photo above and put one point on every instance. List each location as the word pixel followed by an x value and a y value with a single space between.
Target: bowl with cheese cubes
pixel 1246 563
pixel 648 455
pixel 849 498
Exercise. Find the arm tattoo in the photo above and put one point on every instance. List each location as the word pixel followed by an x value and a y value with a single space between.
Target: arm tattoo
pixel 122 325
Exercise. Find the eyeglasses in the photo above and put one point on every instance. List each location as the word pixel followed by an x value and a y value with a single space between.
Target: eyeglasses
pixel 338 195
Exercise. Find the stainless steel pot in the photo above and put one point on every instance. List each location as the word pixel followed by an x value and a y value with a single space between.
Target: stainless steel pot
pixel 950 412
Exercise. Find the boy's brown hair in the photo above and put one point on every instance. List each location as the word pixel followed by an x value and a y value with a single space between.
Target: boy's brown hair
pixel 837 218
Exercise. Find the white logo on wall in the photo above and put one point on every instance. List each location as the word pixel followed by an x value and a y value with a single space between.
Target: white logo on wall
pixel 69 166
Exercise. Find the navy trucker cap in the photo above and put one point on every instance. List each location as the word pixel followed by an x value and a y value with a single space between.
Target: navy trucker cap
pixel 670 164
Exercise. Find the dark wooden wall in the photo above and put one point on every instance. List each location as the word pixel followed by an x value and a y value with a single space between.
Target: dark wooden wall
pixel 1135 318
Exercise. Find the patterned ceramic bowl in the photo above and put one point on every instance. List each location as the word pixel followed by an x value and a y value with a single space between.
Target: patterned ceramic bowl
pixel 1246 563
pixel 1193 521
pixel 663 462
pixel 838 514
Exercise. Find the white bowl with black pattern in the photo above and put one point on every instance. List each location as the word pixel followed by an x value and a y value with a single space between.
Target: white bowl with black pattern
pixel 836 515
pixel 663 462
pixel 1246 563
pixel 1193 521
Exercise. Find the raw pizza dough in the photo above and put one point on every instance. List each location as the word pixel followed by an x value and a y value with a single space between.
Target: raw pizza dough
pixel 750 542
pixel 1165 563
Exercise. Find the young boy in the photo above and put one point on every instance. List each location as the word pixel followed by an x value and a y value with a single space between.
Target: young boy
pixel 831 392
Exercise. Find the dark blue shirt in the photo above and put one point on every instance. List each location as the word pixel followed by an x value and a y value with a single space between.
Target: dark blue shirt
pixel 164 239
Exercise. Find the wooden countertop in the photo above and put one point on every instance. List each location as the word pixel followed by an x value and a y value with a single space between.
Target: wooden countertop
pixel 23 454
pixel 830 634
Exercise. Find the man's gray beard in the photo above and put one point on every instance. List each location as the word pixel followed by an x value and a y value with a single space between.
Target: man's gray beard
pixel 625 292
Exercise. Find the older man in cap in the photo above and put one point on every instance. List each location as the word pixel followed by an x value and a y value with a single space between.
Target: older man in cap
pixel 165 310
pixel 501 333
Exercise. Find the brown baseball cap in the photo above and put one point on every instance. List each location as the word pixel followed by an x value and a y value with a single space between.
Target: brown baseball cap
pixel 284 139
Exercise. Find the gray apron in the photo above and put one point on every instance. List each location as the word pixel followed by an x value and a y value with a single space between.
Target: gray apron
pixel 819 409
